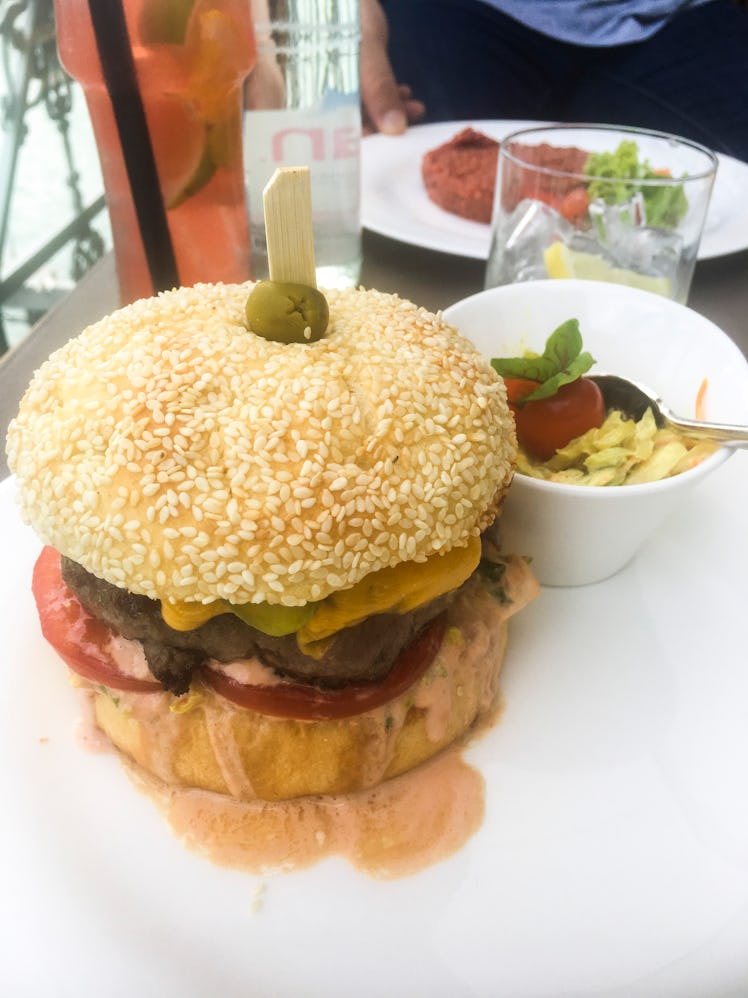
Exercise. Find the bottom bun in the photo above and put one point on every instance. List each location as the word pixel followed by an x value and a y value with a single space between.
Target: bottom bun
pixel 206 742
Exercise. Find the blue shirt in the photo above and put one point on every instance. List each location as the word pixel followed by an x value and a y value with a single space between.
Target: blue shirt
pixel 595 22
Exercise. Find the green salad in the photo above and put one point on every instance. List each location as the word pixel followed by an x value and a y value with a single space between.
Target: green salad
pixel 616 180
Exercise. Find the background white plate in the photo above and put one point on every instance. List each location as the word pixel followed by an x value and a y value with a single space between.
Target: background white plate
pixel 394 201
pixel 613 858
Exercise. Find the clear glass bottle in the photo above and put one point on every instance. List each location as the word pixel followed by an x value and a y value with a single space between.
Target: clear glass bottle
pixel 303 109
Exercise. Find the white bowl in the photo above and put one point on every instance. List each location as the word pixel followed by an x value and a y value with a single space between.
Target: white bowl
pixel 579 534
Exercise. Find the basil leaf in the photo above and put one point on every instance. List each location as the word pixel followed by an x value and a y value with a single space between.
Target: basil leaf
pixel 562 361
pixel 563 345
pixel 575 370
pixel 535 368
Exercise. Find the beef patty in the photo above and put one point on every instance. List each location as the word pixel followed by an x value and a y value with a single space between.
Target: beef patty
pixel 363 652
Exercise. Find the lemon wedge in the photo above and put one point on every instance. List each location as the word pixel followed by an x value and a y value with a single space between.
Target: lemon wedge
pixel 561 261
pixel 197 130
pixel 182 147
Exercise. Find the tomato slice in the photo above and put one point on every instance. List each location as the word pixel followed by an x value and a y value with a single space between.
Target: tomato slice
pixel 308 703
pixel 77 637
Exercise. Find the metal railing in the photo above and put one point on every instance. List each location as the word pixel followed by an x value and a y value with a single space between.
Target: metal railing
pixel 33 77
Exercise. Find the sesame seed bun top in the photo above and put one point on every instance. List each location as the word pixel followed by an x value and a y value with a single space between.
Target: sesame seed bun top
pixel 171 452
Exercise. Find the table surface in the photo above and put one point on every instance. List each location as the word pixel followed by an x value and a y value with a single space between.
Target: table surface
pixel 434 280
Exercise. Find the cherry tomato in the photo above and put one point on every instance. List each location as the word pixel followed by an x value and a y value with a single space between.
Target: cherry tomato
pixel 575 204
pixel 309 703
pixel 517 389
pixel 545 425
pixel 77 637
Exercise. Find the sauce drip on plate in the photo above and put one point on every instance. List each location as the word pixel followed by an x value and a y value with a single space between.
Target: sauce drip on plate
pixel 392 830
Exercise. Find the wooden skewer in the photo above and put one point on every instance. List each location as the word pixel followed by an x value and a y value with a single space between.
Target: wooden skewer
pixel 287 201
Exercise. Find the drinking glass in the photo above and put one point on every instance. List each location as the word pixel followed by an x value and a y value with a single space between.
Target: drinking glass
pixel 600 202
pixel 163 83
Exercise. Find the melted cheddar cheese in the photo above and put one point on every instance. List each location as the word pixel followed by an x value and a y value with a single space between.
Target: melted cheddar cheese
pixel 397 589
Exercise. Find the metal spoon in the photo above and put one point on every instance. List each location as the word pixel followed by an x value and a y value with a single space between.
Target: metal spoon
pixel 633 399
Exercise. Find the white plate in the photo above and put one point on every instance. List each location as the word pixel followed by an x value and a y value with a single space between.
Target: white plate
pixel 613 858
pixel 394 201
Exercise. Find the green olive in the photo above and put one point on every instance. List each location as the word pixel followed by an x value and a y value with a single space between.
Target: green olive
pixel 287 313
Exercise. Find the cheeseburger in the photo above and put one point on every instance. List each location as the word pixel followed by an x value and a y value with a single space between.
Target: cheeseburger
pixel 272 567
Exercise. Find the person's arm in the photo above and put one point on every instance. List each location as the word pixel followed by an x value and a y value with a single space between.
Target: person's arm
pixel 265 88
pixel 386 105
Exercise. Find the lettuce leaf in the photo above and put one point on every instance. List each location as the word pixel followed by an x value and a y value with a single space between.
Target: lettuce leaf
pixel 616 175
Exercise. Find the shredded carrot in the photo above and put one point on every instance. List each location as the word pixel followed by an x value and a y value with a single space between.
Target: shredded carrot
pixel 701 399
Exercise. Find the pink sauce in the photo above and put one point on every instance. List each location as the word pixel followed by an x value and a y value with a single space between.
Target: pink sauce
pixel 249 671
pixel 392 830
pixel 87 732
pixel 131 661
pixel 129 657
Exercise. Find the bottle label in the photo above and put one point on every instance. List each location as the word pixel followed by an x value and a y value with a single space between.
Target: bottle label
pixel 327 139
